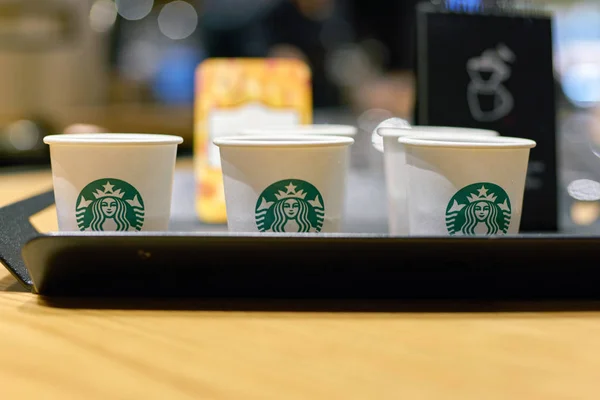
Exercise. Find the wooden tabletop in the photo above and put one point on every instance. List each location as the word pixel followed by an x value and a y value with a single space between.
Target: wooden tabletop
pixel 160 349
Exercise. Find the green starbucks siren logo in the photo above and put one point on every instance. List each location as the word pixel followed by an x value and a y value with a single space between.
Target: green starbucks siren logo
pixel 479 209
pixel 290 205
pixel 110 205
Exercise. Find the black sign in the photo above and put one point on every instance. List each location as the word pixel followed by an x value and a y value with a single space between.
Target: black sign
pixel 494 71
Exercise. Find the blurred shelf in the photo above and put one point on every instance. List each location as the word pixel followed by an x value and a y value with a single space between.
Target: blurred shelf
pixel 133 118
pixel 122 118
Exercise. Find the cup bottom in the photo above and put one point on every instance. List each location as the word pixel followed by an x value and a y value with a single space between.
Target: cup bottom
pixel 330 225
pixel 158 224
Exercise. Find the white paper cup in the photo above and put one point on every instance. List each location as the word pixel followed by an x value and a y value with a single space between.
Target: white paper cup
pixel 113 182
pixel 377 140
pixel 465 186
pixel 317 129
pixel 394 161
pixel 291 184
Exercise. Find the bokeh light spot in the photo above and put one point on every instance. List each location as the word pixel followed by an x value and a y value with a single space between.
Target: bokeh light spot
pixel 103 15
pixel 134 10
pixel 178 20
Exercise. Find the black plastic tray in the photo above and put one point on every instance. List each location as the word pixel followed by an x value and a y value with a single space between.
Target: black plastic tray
pixel 352 266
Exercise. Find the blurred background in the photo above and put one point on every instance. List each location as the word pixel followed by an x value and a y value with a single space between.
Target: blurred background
pixel 128 66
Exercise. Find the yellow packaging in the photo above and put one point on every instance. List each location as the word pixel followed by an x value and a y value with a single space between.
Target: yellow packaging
pixel 234 94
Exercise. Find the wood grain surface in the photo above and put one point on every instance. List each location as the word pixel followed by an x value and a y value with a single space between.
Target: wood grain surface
pixel 159 349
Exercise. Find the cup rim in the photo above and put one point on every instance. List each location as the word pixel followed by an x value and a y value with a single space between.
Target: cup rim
pixel 112 139
pixel 378 145
pixel 282 141
pixel 442 130
pixel 312 129
pixel 467 141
